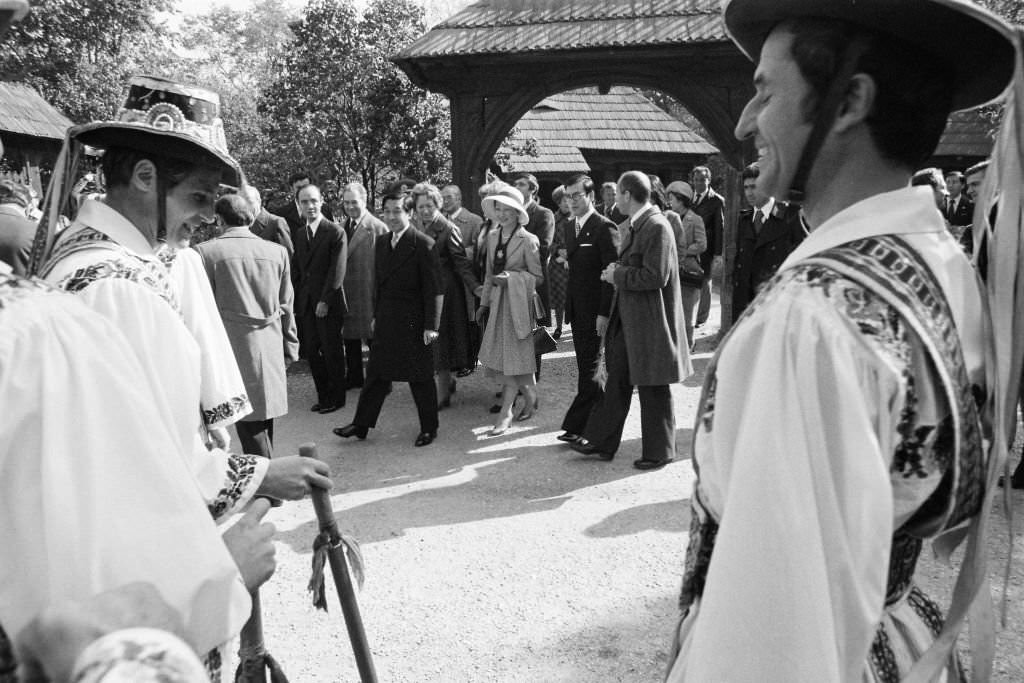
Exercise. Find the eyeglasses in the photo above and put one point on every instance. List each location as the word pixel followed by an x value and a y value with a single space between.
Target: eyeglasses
pixel 576 196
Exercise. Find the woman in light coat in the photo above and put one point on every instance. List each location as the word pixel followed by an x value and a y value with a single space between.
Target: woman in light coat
pixel 507 304
pixel 691 241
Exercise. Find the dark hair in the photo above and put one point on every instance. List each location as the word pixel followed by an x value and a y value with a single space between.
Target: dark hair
pixel 658 197
pixel 530 179
pixel 913 97
pixel 404 200
pixel 235 210
pixel 928 176
pixel 637 184
pixel 751 171
pixel 13 193
pixel 118 164
pixel 297 176
pixel 681 198
pixel 703 170
pixel 588 182
pixel 955 174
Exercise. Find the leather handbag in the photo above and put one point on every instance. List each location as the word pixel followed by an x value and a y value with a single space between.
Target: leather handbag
pixel 690 272
pixel 543 342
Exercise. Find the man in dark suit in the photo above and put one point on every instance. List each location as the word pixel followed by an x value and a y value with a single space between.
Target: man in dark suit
pixel 592 243
pixel 321 253
pixel 407 316
pixel 608 207
pixel 959 210
pixel 290 210
pixel 266 225
pixel 710 206
pixel 645 345
pixel 765 235
pixel 16 229
pixel 542 224
pixel 469 225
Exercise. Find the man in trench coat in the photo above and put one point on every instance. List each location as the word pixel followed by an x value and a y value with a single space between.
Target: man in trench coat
pixel 645 345
pixel 407 315
pixel 253 290
pixel 362 229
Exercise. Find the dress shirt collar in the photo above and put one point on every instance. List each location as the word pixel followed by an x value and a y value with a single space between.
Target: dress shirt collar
pixel 316 223
pixel 455 214
pixel 582 220
pixel 644 208
pixel 766 209
pixel 907 211
pixel 395 236
pixel 101 218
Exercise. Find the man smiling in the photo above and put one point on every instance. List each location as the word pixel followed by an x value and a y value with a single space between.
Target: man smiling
pixel 841 407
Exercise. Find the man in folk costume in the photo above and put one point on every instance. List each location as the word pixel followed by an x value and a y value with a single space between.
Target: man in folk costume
pixel 164 160
pixel 252 288
pixel 363 229
pixel 838 427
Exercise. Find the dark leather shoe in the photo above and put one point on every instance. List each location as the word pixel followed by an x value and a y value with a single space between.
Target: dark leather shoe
pixel 425 438
pixel 351 430
pixel 465 372
pixel 315 408
pixel 642 464
pixel 331 407
pixel 569 437
pixel 584 447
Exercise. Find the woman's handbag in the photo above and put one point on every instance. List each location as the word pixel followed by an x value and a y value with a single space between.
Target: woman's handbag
pixel 543 342
pixel 690 272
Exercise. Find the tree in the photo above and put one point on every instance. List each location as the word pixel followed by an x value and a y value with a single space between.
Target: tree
pixel 343 109
pixel 79 53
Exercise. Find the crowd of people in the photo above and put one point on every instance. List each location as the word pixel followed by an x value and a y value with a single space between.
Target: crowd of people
pixel 841 425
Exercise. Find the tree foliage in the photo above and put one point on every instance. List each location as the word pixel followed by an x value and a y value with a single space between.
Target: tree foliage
pixel 79 53
pixel 341 109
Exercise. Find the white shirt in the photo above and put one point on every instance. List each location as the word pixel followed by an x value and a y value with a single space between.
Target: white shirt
pixel 582 220
pixel 639 212
pixel 794 455
pixel 455 214
pixel 765 210
pixel 91 493
pixel 395 236
pixel 313 226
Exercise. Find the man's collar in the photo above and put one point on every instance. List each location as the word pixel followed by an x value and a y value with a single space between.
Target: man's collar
pixel 643 209
pixel 316 222
pixel 454 213
pixel 395 236
pixel 767 208
pixel 101 218
pixel 586 217
pixel 909 210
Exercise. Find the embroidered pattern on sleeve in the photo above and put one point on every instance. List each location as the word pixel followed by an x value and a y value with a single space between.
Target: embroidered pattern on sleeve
pixel 142 272
pixel 226 410
pixel 239 476
pixel 138 656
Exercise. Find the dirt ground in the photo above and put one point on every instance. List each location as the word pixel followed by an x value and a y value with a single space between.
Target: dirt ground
pixel 508 558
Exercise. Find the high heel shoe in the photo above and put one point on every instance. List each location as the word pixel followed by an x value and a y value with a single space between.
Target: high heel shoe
pixel 500 427
pixel 527 411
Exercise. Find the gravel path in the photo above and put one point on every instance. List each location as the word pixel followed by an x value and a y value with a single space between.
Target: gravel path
pixel 507 558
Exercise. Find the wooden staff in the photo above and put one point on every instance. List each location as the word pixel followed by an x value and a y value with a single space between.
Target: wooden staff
pixel 334 545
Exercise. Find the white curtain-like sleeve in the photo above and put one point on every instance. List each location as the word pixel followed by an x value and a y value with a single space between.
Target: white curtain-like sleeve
pixel 91 493
pixel 797 578
pixel 223 397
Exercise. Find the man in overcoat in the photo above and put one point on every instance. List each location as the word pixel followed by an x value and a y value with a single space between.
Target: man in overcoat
pixel 407 315
pixel 321 256
pixel 645 345
pixel 362 229
pixel 266 225
pixel 592 243
pixel 251 283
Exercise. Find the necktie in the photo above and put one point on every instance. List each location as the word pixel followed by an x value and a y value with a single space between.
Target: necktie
pixel 758 221
pixel 579 227
pixel 394 242
pixel 309 233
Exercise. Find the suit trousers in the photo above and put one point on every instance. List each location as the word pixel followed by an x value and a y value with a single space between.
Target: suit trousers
pixel 325 351
pixel 704 307
pixel 256 437
pixel 689 297
pixel 588 391
pixel 376 389
pixel 657 418
pixel 353 363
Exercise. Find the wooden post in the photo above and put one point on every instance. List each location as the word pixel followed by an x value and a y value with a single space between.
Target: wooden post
pixel 467 129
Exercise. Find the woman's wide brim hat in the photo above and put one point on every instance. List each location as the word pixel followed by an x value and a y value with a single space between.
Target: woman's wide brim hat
pixel 681 188
pixel 170 120
pixel 508 196
pixel 976 43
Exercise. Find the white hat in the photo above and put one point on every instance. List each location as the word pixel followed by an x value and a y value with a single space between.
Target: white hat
pixel 509 196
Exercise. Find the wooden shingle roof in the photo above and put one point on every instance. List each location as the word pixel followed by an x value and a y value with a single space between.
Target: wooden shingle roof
pixel 968 134
pixel 519 26
pixel 25 112
pixel 570 123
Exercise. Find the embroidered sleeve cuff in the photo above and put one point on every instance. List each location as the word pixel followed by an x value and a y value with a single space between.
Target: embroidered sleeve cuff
pixel 138 655
pixel 242 479
pixel 228 412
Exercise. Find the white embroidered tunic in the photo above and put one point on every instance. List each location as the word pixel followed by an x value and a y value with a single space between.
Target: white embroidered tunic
pixel 822 434
pixel 104 259
pixel 89 498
